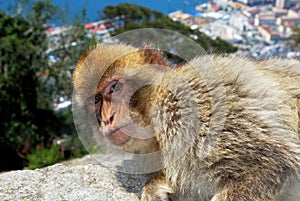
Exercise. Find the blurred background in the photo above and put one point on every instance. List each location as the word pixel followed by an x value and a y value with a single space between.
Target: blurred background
pixel 41 41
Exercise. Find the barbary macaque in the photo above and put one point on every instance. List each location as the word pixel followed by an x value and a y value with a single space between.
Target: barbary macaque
pixel 227 127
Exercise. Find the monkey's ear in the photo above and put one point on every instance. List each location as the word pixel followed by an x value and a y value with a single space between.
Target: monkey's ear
pixel 152 56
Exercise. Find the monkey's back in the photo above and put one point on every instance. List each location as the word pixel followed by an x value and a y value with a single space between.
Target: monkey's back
pixel 259 139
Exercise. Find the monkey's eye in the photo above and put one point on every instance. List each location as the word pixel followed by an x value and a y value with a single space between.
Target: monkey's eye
pixel 95 99
pixel 116 87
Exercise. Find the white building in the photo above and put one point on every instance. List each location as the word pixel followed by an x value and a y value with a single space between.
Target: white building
pixel 240 22
pixel 267 18
pixel 257 2
pixel 286 3
pixel 250 13
pixel 280 12
pixel 288 19
pixel 269 33
pixel 223 31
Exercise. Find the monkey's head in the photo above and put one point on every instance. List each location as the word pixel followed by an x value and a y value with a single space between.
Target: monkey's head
pixel 104 86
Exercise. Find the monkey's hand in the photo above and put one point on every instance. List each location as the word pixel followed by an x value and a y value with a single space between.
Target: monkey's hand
pixel 157 189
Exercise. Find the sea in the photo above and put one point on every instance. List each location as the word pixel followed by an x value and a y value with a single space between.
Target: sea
pixel 95 7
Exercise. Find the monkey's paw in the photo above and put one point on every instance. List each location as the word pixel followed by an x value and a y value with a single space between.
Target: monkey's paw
pixel 161 192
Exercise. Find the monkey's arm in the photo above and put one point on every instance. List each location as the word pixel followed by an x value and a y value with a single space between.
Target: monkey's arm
pixel 157 189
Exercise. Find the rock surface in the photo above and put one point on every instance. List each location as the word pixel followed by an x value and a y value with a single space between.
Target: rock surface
pixel 79 180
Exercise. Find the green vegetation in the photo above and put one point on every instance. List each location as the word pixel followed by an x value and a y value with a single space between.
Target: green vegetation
pixel 295 38
pixel 29 84
pixel 135 17
pixel 21 58
pixel 43 157
pixel 69 148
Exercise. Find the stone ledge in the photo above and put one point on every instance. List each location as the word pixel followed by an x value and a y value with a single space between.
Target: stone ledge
pixel 70 181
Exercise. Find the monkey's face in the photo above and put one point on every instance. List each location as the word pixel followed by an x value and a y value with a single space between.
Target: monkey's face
pixel 122 114
pixel 109 105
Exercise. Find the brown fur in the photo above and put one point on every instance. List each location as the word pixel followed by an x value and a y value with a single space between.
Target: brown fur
pixel 252 155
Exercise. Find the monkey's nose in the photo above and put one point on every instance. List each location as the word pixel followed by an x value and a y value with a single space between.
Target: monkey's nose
pixel 109 120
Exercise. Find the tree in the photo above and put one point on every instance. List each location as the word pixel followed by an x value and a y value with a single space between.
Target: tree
pixel 295 38
pixel 29 83
pixel 131 13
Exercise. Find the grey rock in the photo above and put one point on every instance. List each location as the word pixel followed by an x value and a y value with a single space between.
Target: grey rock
pixel 80 179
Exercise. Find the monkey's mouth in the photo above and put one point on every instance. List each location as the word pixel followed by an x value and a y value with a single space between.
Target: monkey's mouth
pixel 118 135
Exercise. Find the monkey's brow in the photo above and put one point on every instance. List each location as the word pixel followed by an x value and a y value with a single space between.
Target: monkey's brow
pixel 114 77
